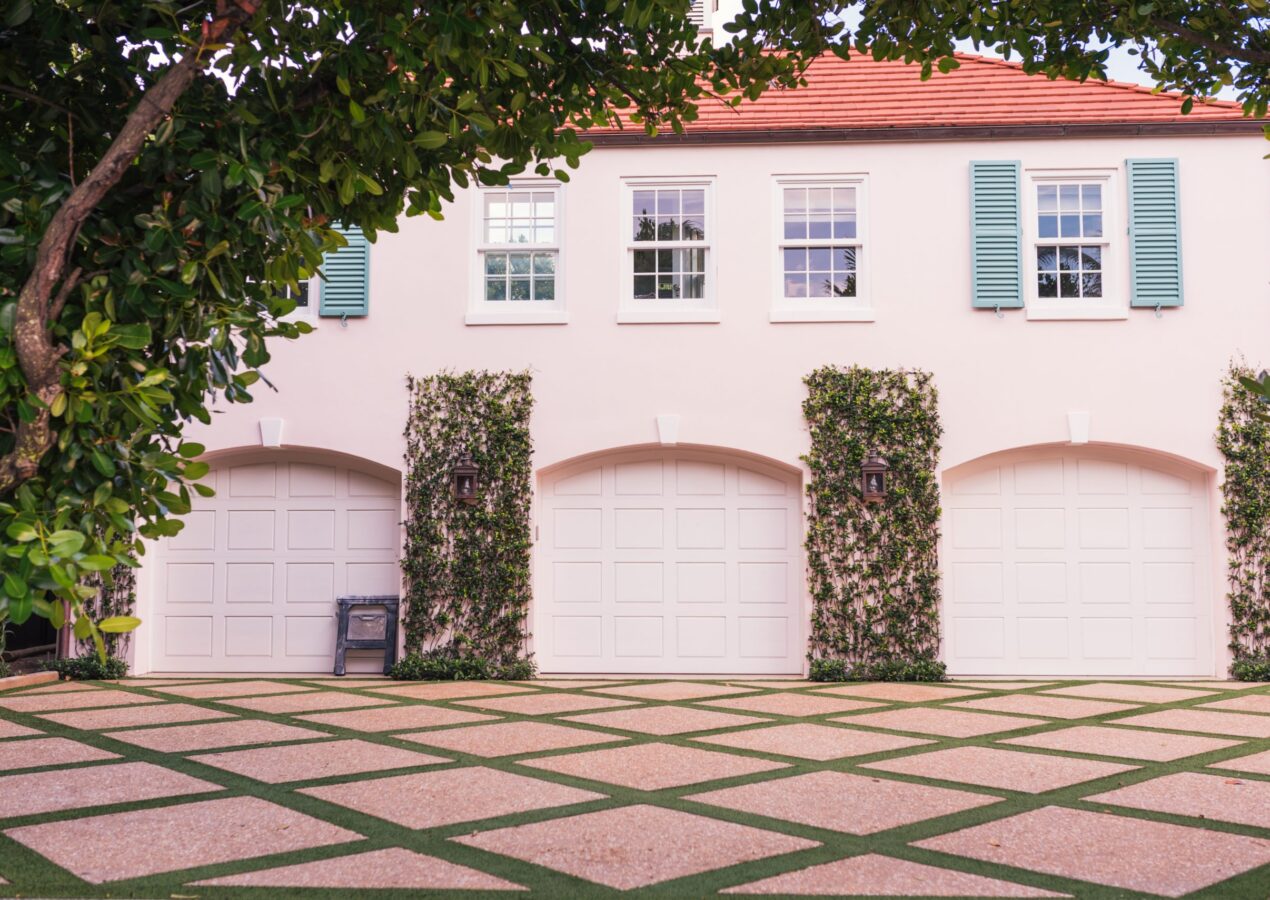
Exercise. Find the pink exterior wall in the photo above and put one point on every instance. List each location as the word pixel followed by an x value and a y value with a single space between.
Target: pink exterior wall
pixel 1004 382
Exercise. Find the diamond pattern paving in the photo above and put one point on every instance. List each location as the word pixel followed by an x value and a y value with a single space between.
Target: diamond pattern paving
pixel 42 792
pixel 1203 796
pixel 235 733
pixel 546 704
pixel 903 693
pixel 1009 770
pixel 218 690
pixel 655 783
pixel 663 720
pixel 1130 743
pixel 47 752
pixel 807 741
pixel 510 738
pixel 176 837
pixel 1237 724
pixel 1134 693
pixel 301 762
pixel 450 795
pixel 281 704
pixel 1039 705
pixel 1165 859
pixel 794 704
pixel 13 729
pixel 153 714
pixel 883 876
pixel 1256 703
pixel 38 703
pixel 1257 762
pixel 450 690
pixel 856 804
pixel 941 721
pixel 652 767
pixel 672 690
pixel 378 869
pixel 636 845
pixel 395 718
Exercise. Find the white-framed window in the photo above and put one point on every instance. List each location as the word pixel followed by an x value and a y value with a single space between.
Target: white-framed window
pixel 667 228
pixel 517 265
pixel 820 266
pixel 1072 267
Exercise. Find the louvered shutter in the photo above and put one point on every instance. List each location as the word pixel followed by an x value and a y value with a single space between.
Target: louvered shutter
pixel 1155 234
pixel 996 235
pixel 346 281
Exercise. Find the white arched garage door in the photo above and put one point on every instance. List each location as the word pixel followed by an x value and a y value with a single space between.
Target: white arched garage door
pixel 250 584
pixel 669 562
pixel 1077 561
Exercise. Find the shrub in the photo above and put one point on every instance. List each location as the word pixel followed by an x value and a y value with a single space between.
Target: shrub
pixel 444 665
pixel 873 568
pixel 1252 669
pixel 88 668
pixel 888 670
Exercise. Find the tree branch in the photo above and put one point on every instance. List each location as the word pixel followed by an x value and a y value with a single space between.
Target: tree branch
pixel 38 358
pixel 1238 52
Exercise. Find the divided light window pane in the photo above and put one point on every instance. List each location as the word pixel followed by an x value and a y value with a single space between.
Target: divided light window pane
pixel 815 219
pixel 663 220
pixel 1068 216
pixel 520 217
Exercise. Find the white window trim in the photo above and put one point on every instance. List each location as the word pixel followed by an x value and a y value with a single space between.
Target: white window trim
pixel 515 312
pixel 1114 303
pixel 308 313
pixel 643 312
pixel 848 309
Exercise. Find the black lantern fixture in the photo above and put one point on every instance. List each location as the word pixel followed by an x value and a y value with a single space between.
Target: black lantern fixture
pixel 873 478
pixel 466 476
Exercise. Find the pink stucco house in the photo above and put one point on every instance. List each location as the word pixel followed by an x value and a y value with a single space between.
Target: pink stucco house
pixel 1076 264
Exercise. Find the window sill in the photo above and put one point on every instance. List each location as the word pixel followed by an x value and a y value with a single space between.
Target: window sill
pixel 668 316
pixel 540 317
pixel 1077 314
pixel 839 314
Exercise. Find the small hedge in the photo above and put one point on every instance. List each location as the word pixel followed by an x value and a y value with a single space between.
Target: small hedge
pixel 1251 669
pixel 88 668
pixel 442 665
pixel 890 670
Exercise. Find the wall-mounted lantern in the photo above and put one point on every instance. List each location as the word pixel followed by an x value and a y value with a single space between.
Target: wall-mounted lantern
pixel 873 478
pixel 466 478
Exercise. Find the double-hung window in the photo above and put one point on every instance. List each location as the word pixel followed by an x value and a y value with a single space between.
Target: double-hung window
pixel 820 251
pixel 518 257
pixel 1071 265
pixel 668 276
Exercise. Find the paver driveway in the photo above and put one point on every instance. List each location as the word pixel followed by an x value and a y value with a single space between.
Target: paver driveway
pixel 280 787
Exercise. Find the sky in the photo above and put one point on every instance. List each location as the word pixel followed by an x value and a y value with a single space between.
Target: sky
pixel 1120 67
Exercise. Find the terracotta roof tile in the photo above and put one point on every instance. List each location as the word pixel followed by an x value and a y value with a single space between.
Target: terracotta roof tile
pixel 865 94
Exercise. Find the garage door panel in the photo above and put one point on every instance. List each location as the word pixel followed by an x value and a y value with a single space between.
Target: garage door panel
pixel 1080 563
pixel 682 570
pixel 251 586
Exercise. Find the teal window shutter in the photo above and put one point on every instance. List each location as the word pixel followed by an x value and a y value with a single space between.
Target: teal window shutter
pixel 346 278
pixel 1155 234
pixel 996 235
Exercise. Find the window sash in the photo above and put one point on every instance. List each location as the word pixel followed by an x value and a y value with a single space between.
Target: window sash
pixel 519 290
pixel 679 286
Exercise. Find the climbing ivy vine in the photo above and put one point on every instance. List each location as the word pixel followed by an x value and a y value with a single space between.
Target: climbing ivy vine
pixel 1243 436
pixel 116 596
pixel 467 566
pixel 873 567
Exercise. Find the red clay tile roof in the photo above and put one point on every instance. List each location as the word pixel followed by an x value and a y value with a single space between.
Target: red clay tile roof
pixel 868 95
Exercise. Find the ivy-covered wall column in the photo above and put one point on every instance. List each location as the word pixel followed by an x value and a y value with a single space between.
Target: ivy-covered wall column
pixel 1243 436
pixel 467 565
pixel 873 568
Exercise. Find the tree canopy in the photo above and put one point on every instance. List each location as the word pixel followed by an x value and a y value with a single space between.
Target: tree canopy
pixel 169 168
